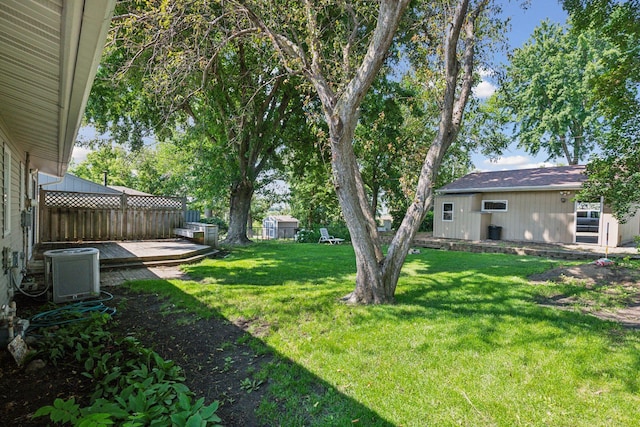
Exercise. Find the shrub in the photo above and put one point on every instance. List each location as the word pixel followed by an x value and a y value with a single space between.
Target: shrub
pixel 427 224
pixel 223 227
pixel 312 235
pixel 307 236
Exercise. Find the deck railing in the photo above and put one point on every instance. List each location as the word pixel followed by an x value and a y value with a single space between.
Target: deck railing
pixel 73 216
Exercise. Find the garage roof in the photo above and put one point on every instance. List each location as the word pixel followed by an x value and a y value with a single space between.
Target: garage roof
pixel 536 179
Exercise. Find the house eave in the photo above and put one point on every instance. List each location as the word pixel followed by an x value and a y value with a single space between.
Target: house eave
pixel 82 49
pixel 49 55
pixel 565 187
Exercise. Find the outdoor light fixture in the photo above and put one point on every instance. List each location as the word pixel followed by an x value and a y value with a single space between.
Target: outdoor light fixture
pixel 563 196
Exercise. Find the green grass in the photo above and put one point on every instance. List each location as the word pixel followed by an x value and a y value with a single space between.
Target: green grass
pixel 465 344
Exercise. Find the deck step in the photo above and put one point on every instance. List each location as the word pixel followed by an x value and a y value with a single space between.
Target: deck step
pixel 160 263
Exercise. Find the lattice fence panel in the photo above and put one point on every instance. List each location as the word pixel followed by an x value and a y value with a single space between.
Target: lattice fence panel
pixel 155 202
pixel 67 199
pixel 70 216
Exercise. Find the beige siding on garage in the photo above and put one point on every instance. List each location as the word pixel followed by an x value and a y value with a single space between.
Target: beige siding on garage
pixel 619 233
pixel 468 222
pixel 536 216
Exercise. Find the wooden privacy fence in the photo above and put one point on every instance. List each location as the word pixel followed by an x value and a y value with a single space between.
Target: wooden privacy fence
pixel 73 216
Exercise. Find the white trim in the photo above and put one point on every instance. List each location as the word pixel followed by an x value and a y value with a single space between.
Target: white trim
pixel 572 187
pixel 6 184
pixel 450 212
pixel 506 206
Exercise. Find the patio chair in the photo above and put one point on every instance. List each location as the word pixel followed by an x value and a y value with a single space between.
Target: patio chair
pixel 326 238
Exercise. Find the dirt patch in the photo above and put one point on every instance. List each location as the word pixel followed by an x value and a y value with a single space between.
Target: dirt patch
pixel 608 292
pixel 219 359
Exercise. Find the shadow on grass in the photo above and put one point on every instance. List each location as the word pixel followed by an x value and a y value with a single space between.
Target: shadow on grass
pixel 256 385
pixel 482 299
pixel 268 264
pixel 487 302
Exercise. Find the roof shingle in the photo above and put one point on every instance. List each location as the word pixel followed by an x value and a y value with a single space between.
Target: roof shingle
pixel 569 177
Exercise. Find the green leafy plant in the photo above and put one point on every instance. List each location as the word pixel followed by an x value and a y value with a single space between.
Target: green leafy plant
pixel 135 386
pixel 249 385
pixel 307 236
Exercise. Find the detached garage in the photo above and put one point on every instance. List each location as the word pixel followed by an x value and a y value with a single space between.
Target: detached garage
pixel 536 205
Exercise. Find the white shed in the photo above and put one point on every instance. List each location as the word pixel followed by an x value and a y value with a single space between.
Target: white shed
pixel 279 227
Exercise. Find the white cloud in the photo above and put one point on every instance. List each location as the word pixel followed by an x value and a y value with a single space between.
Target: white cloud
pixel 486 72
pixel 484 89
pixel 79 154
pixel 513 162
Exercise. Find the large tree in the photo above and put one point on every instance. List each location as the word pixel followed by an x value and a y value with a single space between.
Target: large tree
pixel 339 49
pixel 179 71
pixel 546 90
pixel 615 172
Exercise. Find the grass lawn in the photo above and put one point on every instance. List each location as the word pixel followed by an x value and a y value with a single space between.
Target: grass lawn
pixel 466 344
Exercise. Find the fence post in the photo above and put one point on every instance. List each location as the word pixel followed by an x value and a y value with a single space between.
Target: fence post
pixel 41 208
pixel 184 212
pixel 124 212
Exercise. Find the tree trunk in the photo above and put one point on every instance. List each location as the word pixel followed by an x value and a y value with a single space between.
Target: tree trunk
pixel 370 288
pixel 241 194
pixel 376 275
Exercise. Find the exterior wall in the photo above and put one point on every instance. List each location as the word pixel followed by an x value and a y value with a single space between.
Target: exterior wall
pixel 468 222
pixel 274 227
pixel 539 216
pixel 15 239
pixel 619 234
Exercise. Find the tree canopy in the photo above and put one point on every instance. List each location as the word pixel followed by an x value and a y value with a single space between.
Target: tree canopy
pixel 615 173
pixel 179 71
pixel 546 91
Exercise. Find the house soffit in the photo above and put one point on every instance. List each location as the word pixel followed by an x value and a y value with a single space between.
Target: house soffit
pixel 49 52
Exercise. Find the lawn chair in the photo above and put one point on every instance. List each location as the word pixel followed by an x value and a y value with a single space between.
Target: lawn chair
pixel 326 238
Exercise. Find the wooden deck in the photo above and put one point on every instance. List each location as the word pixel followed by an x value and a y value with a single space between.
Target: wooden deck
pixel 143 253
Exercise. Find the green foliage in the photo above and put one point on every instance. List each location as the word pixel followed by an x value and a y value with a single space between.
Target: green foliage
pixel 312 235
pixel 250 385
pixel 614 172
pixel 134 386
pixel 547 88
pixel 221 223
pixel 427 224
pixel 114 161
pixel 308 236
pixel 223 102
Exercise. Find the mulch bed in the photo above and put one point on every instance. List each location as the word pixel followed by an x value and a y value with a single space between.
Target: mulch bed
pixel 211 352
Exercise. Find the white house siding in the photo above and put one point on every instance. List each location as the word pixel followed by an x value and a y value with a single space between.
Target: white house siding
pixel 15 239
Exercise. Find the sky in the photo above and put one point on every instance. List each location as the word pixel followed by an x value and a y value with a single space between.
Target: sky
pixel 522 24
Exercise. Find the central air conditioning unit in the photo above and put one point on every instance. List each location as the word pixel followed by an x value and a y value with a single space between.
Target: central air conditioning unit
pixel 73 274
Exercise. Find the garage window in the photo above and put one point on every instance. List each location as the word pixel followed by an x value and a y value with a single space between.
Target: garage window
pixel 494 205
pixel 447 211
